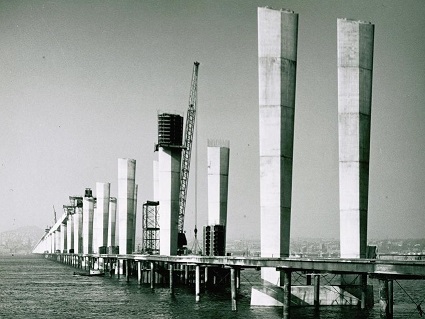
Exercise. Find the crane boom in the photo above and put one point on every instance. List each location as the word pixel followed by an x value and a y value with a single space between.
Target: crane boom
pixel 54 211
pixel 186 152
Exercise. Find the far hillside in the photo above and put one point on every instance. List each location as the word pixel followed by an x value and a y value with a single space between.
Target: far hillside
pixel 20 241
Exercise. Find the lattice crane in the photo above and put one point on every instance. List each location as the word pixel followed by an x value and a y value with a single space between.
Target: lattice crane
pixel 186 154
pixel 54 214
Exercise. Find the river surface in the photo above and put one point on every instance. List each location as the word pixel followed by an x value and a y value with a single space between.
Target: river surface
pixel 34 287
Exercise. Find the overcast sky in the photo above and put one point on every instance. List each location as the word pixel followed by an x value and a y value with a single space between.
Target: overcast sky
pixel 82 81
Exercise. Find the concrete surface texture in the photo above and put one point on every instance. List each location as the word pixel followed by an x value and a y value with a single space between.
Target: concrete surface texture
pixel 101 217
pixel 277 55
pixel 70 230
pixel 88 211
pixel 111 241
pixel 136 188
pixel 78 230
pixel 155 179
pixel 126 188
pixel 355 62
pixel 64 237
pixel 169 163
pixel 218 183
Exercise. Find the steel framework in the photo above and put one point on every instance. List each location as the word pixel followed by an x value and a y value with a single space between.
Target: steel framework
pixel 150 228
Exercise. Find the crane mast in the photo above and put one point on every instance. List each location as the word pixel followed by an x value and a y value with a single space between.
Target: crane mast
pixel 186 153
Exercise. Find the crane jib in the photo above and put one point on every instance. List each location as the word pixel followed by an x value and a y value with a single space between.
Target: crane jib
pixel 186 154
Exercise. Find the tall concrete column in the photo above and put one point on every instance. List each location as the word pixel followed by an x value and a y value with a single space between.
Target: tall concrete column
pixel 355 62
pixel 136 187
pixel 70 230
pixel 126 186
pixel 277 55
pixel 95 229
pixel 52 242
pixel 78 230
pixel 64 238
pixel 169 187
pixel 112 222
pixel 57 240
pixel 101 218
pixel 88 211
pixel 218 181
pixel 156 180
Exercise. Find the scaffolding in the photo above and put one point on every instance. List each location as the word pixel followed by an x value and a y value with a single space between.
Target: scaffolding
pixel 150 228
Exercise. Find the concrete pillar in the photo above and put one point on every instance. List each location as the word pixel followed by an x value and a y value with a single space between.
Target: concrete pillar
pixel 277 56
pixel 169 188
pixel 355 61
pixel 101 217
pixel 101 263
pixel 206 276
pixel 120 267
pixel 139 272
pixel 363 287
pixel 64 238
pixel 126 185
pixel 135 218
pixel 88 211
pixel 112 222
pixel 152 275
pixel 171 270
pixel 233 288
pixel 70 230
pixel 57 240
pixel 308 279
pixel 78 230
pixel 238 278
pixel 156 180
pixel 391 297
pixel 52 242
pixel 197 283
pixel 186 274
pixel 286 294
pixel 316 291
pixel 384 297
pixel 218 181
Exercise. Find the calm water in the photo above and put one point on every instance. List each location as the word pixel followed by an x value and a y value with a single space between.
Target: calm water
pixel 33 287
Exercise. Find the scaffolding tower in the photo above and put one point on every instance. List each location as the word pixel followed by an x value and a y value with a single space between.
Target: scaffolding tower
pixel 150 228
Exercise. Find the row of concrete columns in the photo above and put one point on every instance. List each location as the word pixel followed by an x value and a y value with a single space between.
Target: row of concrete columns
pixel 92 222
pixel 277 63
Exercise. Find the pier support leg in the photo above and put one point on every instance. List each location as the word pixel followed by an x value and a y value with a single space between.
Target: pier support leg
pixel 101 264
pixel 384 299
pixel 286 293
pixel 206 276
pixel 238 278
pixel 171 268
pixel 233 288
pixel 316 291
pixel 152 275
pixel 127 270
pixel 391 298
pixel 139 272
pixel 186 274
pixel 363 287
pixel 197 283
pixel 308 280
